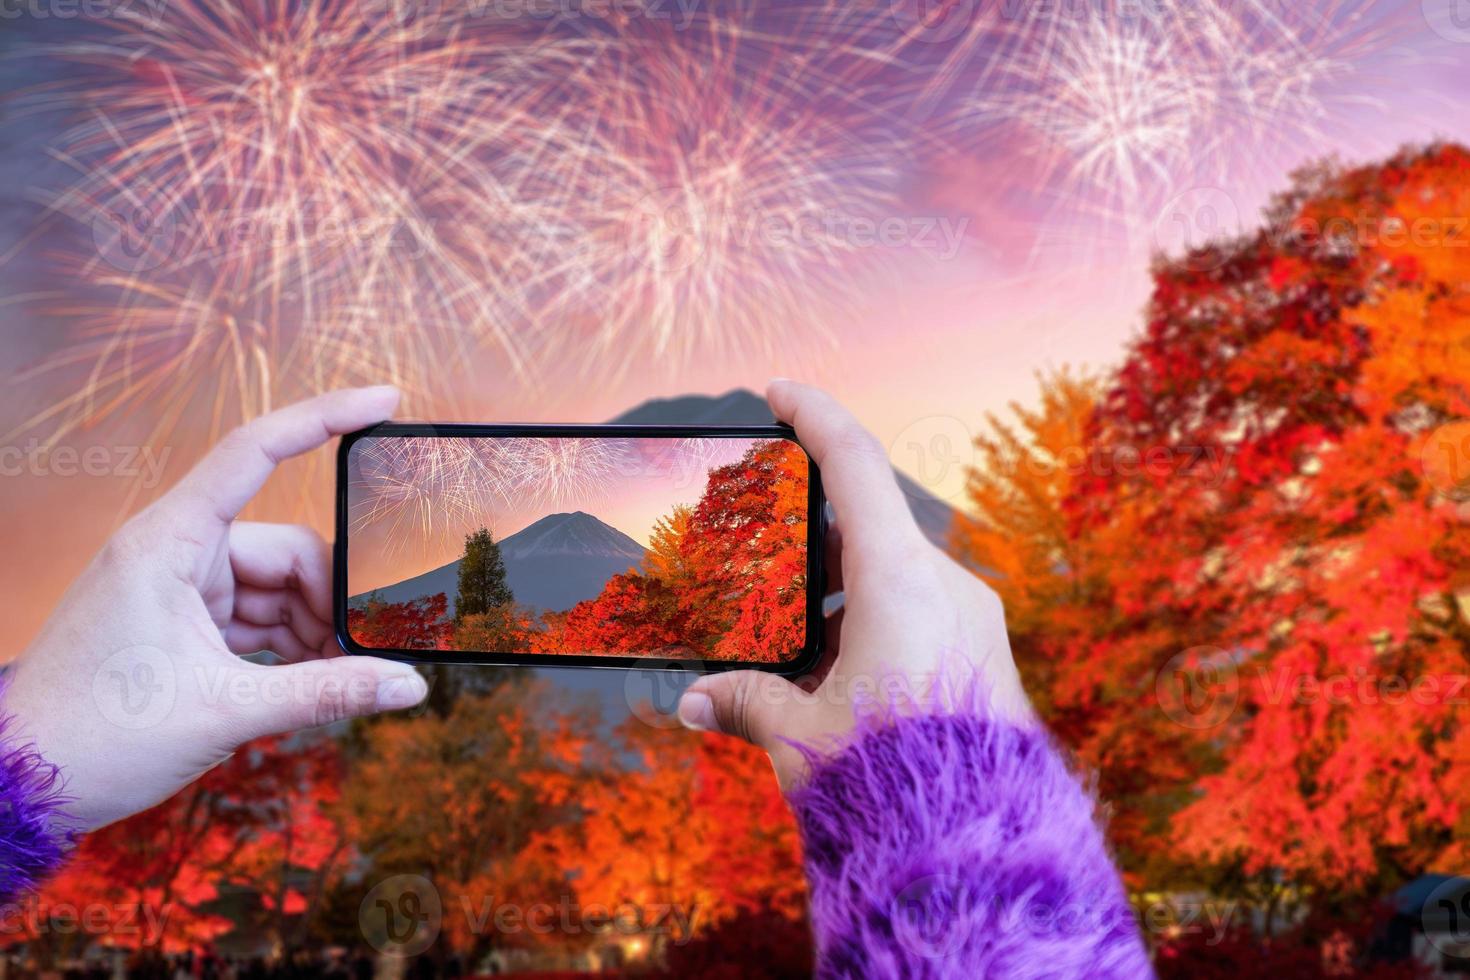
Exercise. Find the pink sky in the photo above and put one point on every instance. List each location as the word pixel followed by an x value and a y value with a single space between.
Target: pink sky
pixel 1048 272
pixel 652 477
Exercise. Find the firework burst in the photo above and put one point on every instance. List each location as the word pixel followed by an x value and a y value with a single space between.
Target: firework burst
pixel 561 471
pixel 425 490
pixel 716 182
pixel 287 195
pixel 307 184
pixel 1117 108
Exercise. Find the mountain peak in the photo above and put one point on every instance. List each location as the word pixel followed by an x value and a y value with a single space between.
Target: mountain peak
pixel 738 406
pixel 570 533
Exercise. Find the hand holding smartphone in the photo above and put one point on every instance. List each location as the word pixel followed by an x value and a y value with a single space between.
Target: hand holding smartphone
pixel 603 546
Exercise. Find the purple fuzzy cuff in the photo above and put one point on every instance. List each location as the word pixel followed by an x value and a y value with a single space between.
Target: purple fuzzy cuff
pixel 956 845
pixel 33 842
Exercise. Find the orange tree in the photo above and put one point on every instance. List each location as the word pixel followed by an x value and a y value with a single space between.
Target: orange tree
pixel 150 883
pixel 1253 622
pixel 459 797
pixel 725 578
pixel 688 830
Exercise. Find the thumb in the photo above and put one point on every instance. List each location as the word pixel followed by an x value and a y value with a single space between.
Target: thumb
pixel 743 703
pixel 320 692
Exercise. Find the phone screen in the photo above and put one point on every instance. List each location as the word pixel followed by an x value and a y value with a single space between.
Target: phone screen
pixel 536 547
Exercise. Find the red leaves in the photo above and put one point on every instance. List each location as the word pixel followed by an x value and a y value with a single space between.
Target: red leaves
pixel 414 625
pixel 726 580
pixel 1322 562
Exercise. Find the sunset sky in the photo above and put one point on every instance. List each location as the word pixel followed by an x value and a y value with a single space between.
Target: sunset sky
pixel 1025 243
pixel 636 483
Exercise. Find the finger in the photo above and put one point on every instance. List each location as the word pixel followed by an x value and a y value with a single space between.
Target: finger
pixel 235 470
pixel 856 474
pixel 246 638
pixel 743 703
pixel 320 692
pixel 281 607
pixel 284 556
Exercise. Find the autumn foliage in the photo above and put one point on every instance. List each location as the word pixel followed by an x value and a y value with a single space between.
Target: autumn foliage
pixel 1237 576
pixel 724 580
pixel 1237 566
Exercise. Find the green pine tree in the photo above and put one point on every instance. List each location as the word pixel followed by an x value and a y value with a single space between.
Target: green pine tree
pixel 482 585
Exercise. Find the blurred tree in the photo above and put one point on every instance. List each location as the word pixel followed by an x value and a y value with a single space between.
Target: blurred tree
pixel 692 823
pixel 1252 620
pixel 299 845
pixel 460 798
pixel 157 873
pixel 751 946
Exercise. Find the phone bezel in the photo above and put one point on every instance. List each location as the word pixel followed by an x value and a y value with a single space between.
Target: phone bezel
pixel 805 660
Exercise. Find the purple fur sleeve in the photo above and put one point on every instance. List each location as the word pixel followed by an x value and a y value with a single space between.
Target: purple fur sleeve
pixel 956 845
pixel 33 843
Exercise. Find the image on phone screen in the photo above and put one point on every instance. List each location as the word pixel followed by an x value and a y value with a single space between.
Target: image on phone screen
pixel 534 547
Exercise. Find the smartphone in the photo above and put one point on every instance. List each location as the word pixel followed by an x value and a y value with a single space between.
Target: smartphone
pixel 681 547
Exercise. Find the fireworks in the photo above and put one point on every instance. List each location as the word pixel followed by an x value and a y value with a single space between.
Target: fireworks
pixel 1118 108
pixel 714 182
pixel 293 196
pixel 280 196
pixel 564 471
pixel 424 489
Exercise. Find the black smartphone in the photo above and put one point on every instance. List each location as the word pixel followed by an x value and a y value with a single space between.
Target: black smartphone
pixel 685 547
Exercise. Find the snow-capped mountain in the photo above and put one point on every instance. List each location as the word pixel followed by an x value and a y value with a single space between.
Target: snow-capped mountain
pixel 554 563
pixel 577 533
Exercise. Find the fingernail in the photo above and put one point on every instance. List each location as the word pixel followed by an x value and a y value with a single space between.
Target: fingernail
pixel 777 381
pixel 401 691
pixel 697 712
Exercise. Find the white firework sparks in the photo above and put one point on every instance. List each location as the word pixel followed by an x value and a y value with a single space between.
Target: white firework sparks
pixel 1119 108
pixel 713 186
pixel 563 471
pixel 421 489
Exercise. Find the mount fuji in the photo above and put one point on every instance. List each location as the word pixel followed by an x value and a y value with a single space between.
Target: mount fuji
pixel 553 564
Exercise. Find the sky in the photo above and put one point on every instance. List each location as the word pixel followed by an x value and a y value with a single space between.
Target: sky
pixel 630 484
pixel 1000 183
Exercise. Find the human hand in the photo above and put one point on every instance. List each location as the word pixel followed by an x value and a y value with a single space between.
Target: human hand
pixel 911 614
pixel 134 687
